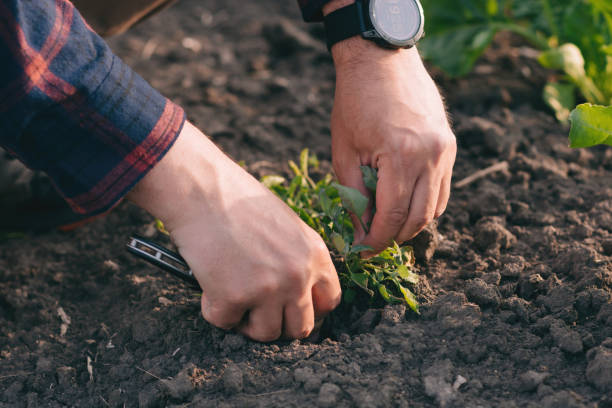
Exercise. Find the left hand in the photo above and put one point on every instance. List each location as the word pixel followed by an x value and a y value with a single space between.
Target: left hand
pixel 388 114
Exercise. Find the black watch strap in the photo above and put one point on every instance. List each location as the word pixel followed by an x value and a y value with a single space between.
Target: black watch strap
pixel 346 22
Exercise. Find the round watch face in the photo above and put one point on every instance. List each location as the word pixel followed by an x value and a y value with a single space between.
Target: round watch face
pixel 397 21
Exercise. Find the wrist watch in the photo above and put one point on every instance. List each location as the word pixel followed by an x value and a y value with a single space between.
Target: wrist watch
pixel 389 23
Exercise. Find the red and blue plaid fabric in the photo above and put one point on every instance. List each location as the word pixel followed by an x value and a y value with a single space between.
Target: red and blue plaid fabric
pixel 71 108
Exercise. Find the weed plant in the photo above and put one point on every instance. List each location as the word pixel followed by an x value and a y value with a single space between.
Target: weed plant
pixel 325 205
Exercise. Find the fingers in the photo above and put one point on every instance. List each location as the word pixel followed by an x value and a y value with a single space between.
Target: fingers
pixel 299 318
pixel 326 295
pixel 393 195
pixel 220 315
pixel 265 323
pixel 445 190
pixel 422 208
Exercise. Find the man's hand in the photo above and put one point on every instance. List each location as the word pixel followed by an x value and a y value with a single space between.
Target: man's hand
pixel 262 270
pixel 388 114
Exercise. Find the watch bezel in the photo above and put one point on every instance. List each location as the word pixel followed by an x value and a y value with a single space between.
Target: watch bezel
pixel 411 42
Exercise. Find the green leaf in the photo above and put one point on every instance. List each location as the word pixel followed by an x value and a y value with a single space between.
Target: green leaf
pixel 360 248
pixel 457 48
pixel 304 162
pixel 352 199
pixel 370 178
pixel 338 242
pixel 561 98
pixel 384 293
pixel 591 125
pixel 361 279
pixel 407 275
pixel 295 183
pixel 272 180
pixel 294 167
pixel 349 295
pixel 326 202
pixel 567 58
pixel 409 298
pixel 159 225
pixel 492 7
pixel 307 218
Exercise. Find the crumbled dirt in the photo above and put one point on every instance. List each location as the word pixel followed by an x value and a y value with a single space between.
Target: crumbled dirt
pixel 516 282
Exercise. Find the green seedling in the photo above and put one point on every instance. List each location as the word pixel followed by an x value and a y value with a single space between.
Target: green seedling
pixel 326 206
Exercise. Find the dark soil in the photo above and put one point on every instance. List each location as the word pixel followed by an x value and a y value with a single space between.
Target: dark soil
pixel 517 308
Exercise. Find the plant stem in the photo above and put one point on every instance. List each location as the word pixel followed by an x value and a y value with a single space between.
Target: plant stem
pixel 365 227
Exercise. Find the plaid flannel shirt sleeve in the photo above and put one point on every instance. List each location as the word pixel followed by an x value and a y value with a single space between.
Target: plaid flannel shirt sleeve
pixel 311 9
pixel 70 107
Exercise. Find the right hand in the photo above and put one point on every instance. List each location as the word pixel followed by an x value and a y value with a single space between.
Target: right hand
pixel 262 270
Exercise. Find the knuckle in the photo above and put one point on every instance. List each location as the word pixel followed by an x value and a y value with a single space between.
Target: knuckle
pixel 438 146
pixel 296 274
pixel 319 258
pixel 320 253
pixel 327 305
pixel 236 298
pixel 268 287
pixel 216 317
pixel 395 216
pixel 443 143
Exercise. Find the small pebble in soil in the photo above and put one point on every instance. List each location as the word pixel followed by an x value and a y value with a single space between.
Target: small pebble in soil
pixel 436 380
pixel 150 396
pixel 425 244
pixel 111 265
pixel 559 399
pixel 599 370
pixel 606 246
pixel 567 339
pixel 490 233
pixel 308 378
pixel 233 380
pixel 530 380
pixel 605 314
pixel 233 342
pixel 329 395
pixel 180 386
pixel 519 306
pixel 454 312
pixel 482 293
pixel 66 377
pixel 512 270
pixel 393 314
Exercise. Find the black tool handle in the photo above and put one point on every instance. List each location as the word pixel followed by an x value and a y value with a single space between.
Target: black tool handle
pixel 163 258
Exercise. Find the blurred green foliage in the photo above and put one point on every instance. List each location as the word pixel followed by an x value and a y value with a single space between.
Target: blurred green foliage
pixel 574 37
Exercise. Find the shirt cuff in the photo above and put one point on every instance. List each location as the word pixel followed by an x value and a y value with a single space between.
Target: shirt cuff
pixel 111 188
pixel 71 108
